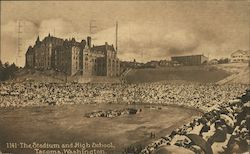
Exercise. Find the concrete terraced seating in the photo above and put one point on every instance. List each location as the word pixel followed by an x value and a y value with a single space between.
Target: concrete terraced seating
pixel 222 130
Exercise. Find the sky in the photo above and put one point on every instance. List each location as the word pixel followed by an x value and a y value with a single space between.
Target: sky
pixel 147 30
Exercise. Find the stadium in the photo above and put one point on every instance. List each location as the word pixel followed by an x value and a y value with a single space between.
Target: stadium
pixel 119 77
pixel 167 98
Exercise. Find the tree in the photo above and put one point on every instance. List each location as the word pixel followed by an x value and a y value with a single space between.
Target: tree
pixel 7 71
pixel 223 61
pixel 1 70
pixel 6 65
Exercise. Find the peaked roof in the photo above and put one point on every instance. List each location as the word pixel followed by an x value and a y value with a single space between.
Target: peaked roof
pixel 240 52
pixel 30 50
pixel 189 55
pixel 103 48
pixel 38 39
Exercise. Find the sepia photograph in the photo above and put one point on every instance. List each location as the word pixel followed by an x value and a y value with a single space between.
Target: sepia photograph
pixel 125 77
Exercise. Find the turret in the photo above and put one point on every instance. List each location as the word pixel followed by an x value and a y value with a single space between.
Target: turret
pixel 38 40
pixel 83 43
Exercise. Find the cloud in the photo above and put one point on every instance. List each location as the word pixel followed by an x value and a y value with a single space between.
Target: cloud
pixel 29 32
pixel 59 26
pixel 146 42
pixel 9 40
pixel 147 30
pixel 140 41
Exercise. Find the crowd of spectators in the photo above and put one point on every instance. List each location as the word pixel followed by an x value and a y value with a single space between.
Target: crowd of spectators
pixel 200 96
pixel 224 129
pixel 113 113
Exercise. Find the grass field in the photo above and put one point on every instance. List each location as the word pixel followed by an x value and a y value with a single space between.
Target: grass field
pixel 200 74
pixel 66 124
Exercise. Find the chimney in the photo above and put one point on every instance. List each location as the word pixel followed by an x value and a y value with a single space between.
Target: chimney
pixel 89 41
pixel 106 45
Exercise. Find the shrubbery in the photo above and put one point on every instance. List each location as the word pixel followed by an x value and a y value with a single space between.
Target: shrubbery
pixel 7 71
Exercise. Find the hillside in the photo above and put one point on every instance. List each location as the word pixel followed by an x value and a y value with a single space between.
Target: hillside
pixel 221 74
pixel 243 78
pixel 201 74
pixel 46 76
pixel 56 77
pixel 240 73
pixel 232 67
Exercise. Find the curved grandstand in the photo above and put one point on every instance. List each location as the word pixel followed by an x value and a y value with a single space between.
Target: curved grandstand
pixel 168 97
pixel 222 130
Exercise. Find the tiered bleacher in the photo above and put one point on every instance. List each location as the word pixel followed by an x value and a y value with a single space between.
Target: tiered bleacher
pixel 225 129
pixel 200 96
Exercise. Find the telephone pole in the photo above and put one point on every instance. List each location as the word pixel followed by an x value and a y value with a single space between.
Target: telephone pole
pixel 116 36
pixel 19 41
pixel 142 55
pixel 92 27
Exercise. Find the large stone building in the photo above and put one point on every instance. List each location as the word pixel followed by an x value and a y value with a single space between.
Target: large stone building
pixel 73 58
pixel 190 60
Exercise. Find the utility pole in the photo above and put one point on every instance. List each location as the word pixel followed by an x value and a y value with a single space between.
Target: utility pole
pixel 116 36
pixel 142 55
pixel 66 70
pixel 92 27
pixel 19 41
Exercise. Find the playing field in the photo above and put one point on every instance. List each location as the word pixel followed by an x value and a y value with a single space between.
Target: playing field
pixel 67 124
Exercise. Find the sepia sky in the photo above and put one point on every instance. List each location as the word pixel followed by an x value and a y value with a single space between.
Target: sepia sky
pixel 147 30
